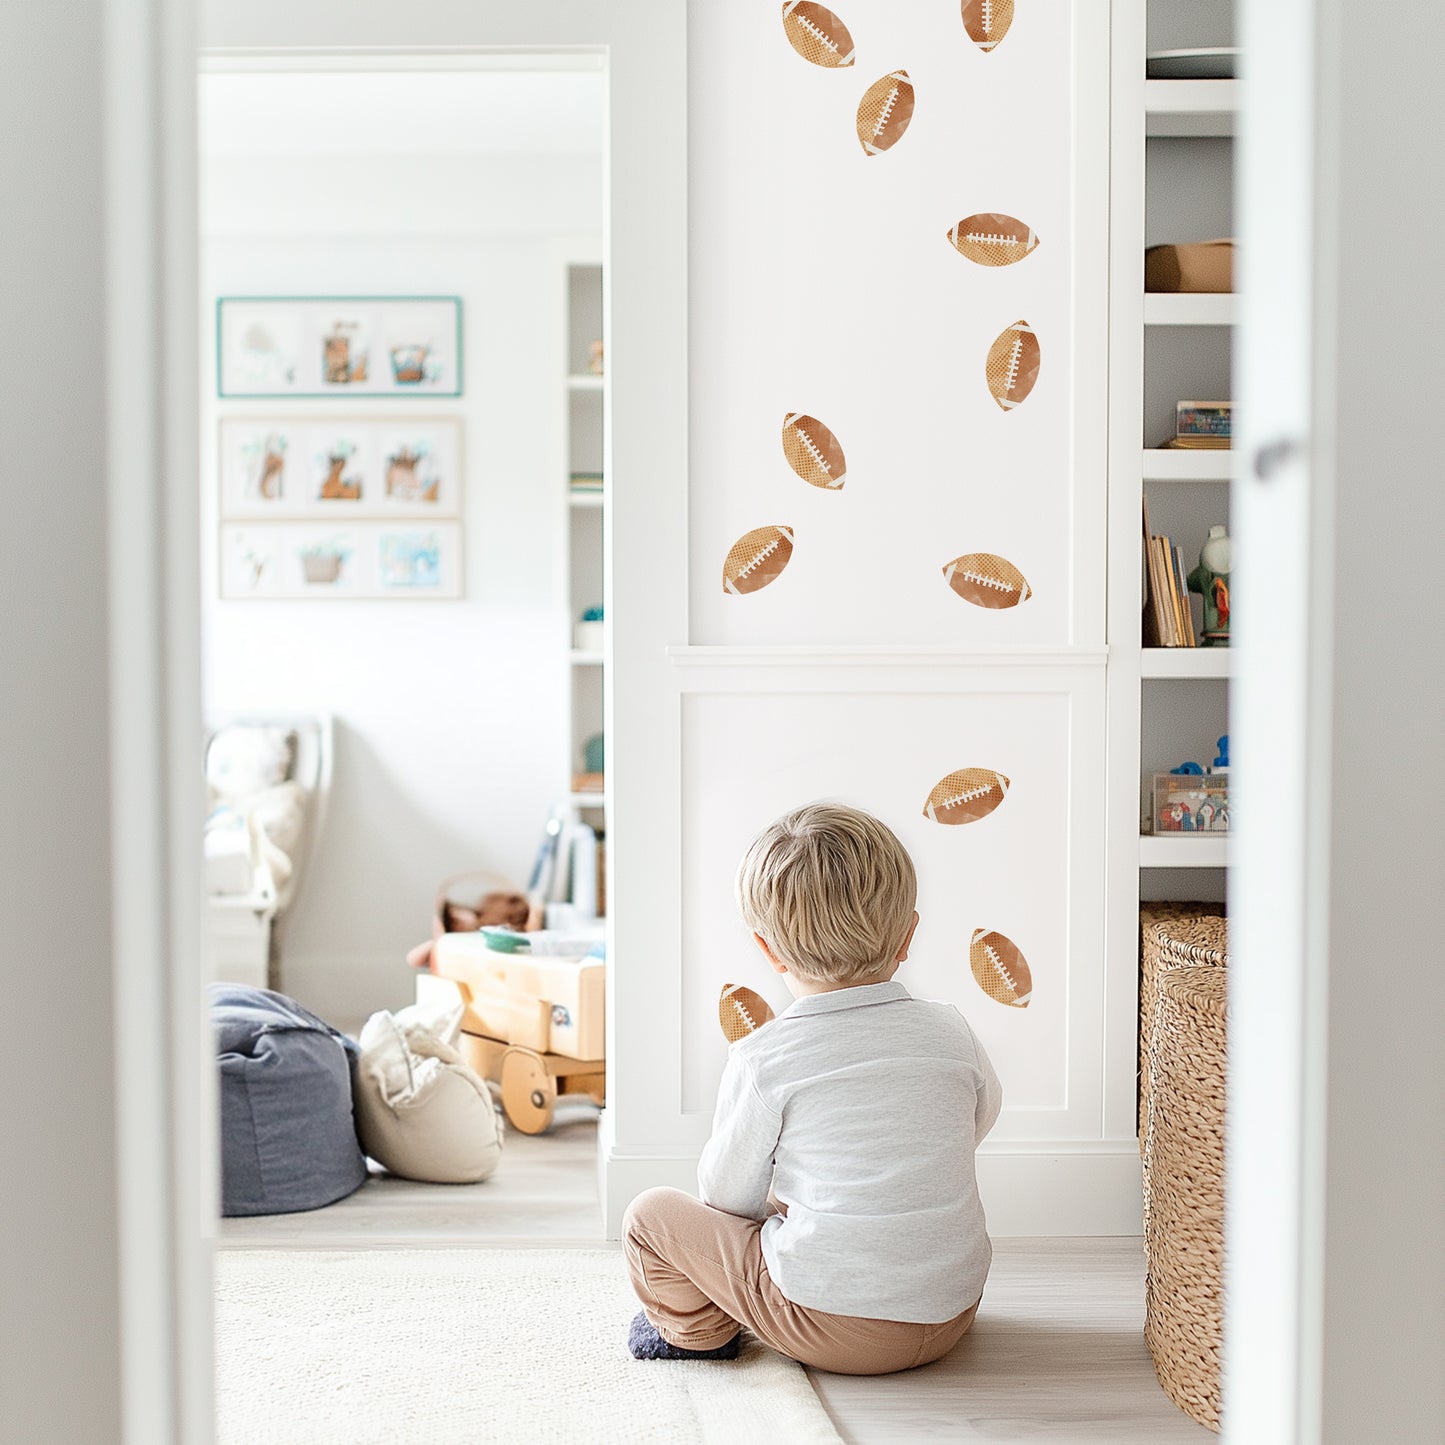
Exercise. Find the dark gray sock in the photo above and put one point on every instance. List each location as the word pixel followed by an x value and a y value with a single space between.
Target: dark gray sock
pixel 646 1344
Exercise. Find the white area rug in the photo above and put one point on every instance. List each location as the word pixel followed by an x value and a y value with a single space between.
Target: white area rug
pixel 431 1347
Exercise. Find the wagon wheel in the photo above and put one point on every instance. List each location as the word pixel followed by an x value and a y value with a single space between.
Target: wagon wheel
pixel 528 1092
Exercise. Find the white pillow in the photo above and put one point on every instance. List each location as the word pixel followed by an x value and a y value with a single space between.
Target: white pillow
pixel 244 759
pixel 420 1111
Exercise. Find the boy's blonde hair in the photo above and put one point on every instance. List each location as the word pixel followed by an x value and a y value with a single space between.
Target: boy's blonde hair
pixel 831 890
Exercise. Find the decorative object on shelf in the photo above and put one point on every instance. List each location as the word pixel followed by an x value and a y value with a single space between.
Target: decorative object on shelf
pixel 1211 580
pixel 1194 802
pixel 360 559
pixel 296 468
pixel 273 346
pixel 987 21
pixel 756 559
pixel 589 783
pixel 1203 419
pixel 987 580
pixel 813 452
pixel 587 634
pixel 594 357
pixel 884 112
pixel 817 34
pixel 1194 266
pixel 586 483
pixel 592 753
pixel 1012 366
pixel 966 796
pixel 1221 760
pixel 741 1012
pixel 993 239
pixel 1201 62
pixel 1000 969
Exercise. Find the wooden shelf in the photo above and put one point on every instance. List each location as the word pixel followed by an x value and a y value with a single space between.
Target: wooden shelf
pixel 1190 107
pixel 1175 464
pixel 584 659
pixel 585 382
pixel 1183 850
pixel 1185 662
pixel 1169 308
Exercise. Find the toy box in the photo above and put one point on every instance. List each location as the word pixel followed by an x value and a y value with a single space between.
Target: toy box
pixel 1191 802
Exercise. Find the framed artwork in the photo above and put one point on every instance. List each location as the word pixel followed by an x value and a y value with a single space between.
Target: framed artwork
pixel 283 468
pixel 401 560
pixel 308 346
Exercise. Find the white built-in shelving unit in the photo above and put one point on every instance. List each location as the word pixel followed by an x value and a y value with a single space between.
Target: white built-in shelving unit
pixel 1171 181
pixel 586 515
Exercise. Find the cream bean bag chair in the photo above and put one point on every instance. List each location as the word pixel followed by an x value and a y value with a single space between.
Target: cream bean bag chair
pixel 421 1112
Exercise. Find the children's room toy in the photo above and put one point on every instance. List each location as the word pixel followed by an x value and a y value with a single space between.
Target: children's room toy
pixel 531 1022
pixel 1211 580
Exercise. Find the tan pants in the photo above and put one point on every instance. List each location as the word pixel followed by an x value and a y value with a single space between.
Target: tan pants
pixel 700 1274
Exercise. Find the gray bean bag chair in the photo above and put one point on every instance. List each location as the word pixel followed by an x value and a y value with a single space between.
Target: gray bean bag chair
pixel 288 1141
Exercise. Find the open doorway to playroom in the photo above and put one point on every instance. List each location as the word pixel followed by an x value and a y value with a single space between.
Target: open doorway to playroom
pixel 402 407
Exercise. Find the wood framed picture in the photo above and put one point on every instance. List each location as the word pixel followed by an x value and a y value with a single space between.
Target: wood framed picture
pixel 337 561
pixel 286 468
pixel 310 346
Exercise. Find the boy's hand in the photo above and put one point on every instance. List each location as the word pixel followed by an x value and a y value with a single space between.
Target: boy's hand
pixel 740 1011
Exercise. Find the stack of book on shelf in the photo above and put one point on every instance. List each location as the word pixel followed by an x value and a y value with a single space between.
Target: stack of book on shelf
pixel 1201 426
pixel 587 481
pixel 1168 621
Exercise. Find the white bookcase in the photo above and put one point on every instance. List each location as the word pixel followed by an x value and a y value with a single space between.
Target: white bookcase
pixel 586 513
pixel 1172 180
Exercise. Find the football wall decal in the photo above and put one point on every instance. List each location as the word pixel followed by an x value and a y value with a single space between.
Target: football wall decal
pixel 987 580
pixel 817 34
pixel 966 796
pixel 987 21
pixel 993 239
pixel 813 451
pixel 999 969
pixel 1012 367
pixel 884 112
pixel 757 558
pixel 741 1012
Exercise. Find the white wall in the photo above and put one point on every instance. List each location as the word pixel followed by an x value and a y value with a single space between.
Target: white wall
pixel 452 733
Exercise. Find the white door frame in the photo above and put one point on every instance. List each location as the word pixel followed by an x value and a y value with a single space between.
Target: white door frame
pixel 1336 1143
pixel 165 1095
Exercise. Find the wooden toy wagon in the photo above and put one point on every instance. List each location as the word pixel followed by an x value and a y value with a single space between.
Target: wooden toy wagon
pixel 534 1025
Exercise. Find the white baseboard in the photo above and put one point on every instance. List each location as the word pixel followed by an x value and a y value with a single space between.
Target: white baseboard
pixel 1092 1188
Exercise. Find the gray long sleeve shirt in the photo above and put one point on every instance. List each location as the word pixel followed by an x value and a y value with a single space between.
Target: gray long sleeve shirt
pixel 860 1109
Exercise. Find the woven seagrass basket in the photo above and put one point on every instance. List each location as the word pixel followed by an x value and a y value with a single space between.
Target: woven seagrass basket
pixel 1184 1207
pixel 1172 935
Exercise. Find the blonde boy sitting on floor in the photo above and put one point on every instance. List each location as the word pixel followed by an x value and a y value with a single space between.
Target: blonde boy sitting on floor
pixel 839 1217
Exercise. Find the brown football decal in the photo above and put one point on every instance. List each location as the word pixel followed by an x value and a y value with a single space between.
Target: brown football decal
pixel 987 21
pixel 999 969
pixel 884 112
pixel 1012 367
pixel 756 558
pixel 993 239
pixel 813 451
pixel 740 1011
pixel 817 34
pixel 966 796
pixel 987 580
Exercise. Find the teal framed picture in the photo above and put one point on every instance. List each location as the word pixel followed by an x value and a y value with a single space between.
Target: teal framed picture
pixel 268 347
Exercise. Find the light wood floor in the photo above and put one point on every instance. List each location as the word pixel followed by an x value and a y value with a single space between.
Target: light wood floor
pixel 1056 1354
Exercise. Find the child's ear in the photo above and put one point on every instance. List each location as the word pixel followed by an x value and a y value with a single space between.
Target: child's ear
pixel 908 938
pixel 774 962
